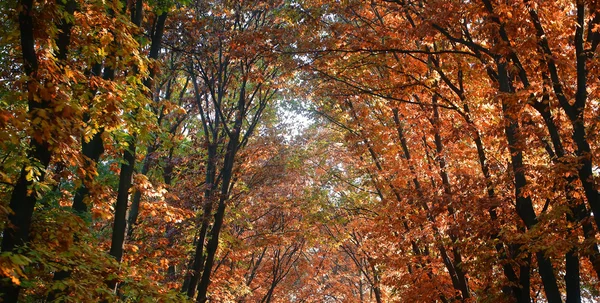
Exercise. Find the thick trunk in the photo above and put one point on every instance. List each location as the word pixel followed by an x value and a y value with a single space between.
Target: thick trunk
pixel 572 279
pixel 92 150
pixel 134 209
pixel 575 112
pixel 524 277
pixel 267 298
pixel 22 204
pixel 591 248
pixel 168 168
pixel 586 176
pixel 127 168
pixel 213 242
pixel 377 295
pixel 22 201
pixel 578 212
pixel 578 121
pixel 120 220
pixel 513 290
pixel 376 284
pixel 524 204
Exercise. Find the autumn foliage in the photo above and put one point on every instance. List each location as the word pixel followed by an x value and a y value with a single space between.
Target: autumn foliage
pixel 299 151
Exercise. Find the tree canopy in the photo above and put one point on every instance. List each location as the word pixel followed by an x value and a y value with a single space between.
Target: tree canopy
pixel 300 151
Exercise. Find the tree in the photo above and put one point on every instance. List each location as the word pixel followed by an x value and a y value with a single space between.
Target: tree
pixel 299 151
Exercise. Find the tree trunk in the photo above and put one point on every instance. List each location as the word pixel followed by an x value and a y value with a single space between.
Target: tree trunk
pixel 524 204
pixel 22 201
pixel 198 262
pixel 134 209
pixel 461 279
pixel 227 174
pixel 448 263
pixel 120 220
pixel 155 46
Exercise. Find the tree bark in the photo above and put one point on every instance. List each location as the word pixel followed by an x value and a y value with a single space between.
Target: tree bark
pixel 120 220
pixel 22 201
pixel 198 262
pixel 155 46
pixel 227 174
pixel 461 279
pixel 524 205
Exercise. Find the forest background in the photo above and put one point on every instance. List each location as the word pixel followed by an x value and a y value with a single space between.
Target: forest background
pixel 299 151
